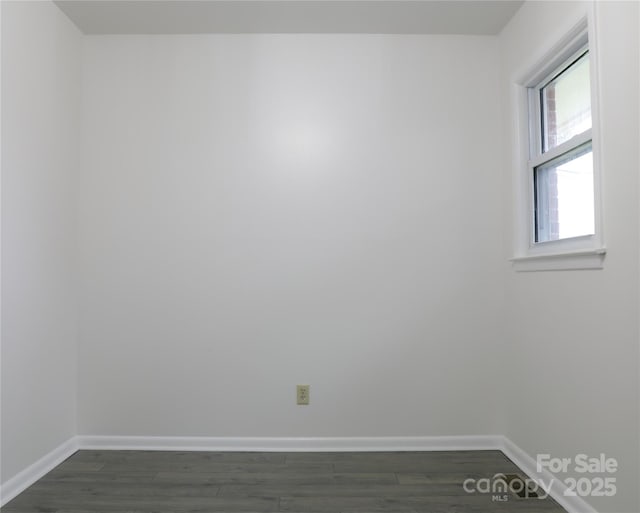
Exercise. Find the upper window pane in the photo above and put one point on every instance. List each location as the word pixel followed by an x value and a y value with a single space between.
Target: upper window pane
pixel 566 104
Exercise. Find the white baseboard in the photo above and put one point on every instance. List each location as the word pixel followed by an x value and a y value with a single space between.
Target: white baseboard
pixel 527 464
pixel 573 504
pixel 318 444
pixel 24 479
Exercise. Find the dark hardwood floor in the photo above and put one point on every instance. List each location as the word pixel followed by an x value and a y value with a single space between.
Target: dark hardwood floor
pixel 200 482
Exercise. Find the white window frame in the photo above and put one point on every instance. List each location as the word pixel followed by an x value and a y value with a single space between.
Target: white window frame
pixel 585 252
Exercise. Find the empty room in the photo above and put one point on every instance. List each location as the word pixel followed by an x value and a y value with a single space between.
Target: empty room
pixel 346 256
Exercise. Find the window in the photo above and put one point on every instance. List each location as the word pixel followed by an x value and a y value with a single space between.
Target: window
pixel 560 178
pixel 561 154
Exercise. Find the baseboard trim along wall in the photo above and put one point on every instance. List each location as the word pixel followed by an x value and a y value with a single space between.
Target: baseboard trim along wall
pixel 21 481
pixel 31 474
pixel 314 444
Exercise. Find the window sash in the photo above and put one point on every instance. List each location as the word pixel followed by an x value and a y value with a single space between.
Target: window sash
pixel 536 130
pixel 541 229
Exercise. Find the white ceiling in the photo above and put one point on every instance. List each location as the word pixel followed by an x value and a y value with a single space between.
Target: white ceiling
pixel 289 16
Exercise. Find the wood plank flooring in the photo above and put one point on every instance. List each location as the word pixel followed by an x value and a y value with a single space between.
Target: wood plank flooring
pixel 253 482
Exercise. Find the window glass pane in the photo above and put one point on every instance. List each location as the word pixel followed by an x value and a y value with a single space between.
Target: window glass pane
pixel 564 196
pixel 566 104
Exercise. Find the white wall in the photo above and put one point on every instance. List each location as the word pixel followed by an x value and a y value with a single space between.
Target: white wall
pixel 261 211
pixel 40 124
pixel 573 338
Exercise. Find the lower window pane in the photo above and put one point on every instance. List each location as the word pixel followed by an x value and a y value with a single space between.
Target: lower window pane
pixel 564 198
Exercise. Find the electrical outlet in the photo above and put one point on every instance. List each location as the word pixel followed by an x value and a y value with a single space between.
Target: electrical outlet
pixel 302 394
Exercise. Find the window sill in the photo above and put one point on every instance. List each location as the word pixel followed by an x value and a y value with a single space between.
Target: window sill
pixel 572 261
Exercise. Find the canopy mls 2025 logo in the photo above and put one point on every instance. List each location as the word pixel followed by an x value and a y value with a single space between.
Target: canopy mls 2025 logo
pixel 594 479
